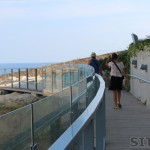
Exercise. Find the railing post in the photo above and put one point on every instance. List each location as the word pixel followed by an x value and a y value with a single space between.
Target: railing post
pixel 87 102
pixel 12 78
pixel 78 74
pixel 19 77
pixel 71 112
pixel 33 146
pixel 70 74
pixel 5 75
pixel 43 79
pixel 36 78
pixel 27 78
pixel 88 136
pixel 100 127
pixel 62 79
pixel 52 80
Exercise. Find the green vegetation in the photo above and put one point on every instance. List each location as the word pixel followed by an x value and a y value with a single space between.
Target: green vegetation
pixel 5 109
pixel 139 46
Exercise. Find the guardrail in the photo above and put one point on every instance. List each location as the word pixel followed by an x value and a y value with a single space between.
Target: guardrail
pixel 49 80
pixel 38 125
pixel 140 88
pixel 88 131
pixel 23 78
pixel 140 79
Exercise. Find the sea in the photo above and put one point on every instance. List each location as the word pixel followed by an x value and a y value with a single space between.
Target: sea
pixel 21 66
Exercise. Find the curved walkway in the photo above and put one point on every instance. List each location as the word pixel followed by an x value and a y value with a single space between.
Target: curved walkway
pixel 127 128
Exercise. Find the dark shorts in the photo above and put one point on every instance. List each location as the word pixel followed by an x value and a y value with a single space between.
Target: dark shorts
pixel 115 83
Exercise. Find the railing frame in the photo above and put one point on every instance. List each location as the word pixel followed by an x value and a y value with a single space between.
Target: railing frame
pixel 90 123
pixel 140 79
pixel 92 119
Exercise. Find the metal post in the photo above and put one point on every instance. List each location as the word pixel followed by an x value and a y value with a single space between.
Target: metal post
pixel 52 79
pixel 62 79
pixel 78 73
pixel 84 71
pixel 88 139
pixel 19 77
pixel 36 79
pixel 70 76
pixel 87 102
pixel 12 78
pixel 43 78
pixel 100 128
pixel 27 78
pixel 5 75
pixel 71 111
pixel 33 145
pixel 104 121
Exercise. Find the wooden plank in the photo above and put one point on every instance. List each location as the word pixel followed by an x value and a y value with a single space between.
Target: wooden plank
pixel 21 90
pixel 131 121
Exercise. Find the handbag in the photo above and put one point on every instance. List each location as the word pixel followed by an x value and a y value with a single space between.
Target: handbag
pixel 119 69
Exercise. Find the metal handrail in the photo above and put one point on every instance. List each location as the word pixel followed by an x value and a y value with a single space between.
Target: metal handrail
pixel 140 79
pixel 67 138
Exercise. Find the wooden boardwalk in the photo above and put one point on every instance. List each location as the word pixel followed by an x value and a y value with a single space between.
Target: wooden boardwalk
pixel 127 128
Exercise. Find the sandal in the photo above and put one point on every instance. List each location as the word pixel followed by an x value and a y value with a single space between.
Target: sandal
pixel 115 107
pixel 119 105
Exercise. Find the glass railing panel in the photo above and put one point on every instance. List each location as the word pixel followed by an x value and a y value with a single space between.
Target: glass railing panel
pixel 92 90
pixel 75 92
pixel 40 79
pixel 81 72
pixel 78 106
pixel 48 76
pixel 74 76
pixel 57 83
pixel 5 78
pixel 15 130
pixel 51 118
pixel 82 103
pixel 32 79
pixel 23 78
pixel 66 77
pixel 15 78
pixel 82 86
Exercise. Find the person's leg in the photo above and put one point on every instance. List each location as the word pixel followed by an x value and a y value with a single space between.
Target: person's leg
pixel 115 97
pixel 119 97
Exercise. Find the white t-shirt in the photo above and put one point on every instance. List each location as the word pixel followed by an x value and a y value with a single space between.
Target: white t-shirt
pixel 114 69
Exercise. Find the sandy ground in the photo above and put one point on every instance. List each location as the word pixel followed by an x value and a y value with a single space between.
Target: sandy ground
pixel 12 101
pixel 15 98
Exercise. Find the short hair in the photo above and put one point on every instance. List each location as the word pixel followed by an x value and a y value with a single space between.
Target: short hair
pixel 114 56
pixel 93 54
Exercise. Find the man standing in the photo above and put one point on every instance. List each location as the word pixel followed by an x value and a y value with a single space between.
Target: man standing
pixel 95 63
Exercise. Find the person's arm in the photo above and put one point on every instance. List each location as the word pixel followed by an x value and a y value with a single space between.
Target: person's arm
pixel 100 71
pixel 89 62
pixel 109 60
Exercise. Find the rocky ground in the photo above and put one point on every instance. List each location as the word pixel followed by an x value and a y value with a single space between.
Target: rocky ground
pixel 12 101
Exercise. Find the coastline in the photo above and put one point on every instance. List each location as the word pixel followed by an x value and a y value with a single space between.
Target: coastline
pixel 14 100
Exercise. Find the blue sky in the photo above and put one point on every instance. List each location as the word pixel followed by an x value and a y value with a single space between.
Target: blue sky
pixel 62 30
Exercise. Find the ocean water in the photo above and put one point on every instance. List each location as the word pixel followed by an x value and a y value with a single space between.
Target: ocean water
pixel 8 66
pixel 22 65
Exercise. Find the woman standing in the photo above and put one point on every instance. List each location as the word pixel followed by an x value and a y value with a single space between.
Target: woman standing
pixel 117 73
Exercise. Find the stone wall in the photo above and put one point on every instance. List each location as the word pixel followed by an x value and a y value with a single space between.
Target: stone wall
pixel 139 89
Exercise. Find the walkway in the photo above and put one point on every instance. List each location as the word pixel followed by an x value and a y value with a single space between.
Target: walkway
pixel 127 128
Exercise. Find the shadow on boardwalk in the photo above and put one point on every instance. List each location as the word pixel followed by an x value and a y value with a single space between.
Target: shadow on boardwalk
pixel 132 121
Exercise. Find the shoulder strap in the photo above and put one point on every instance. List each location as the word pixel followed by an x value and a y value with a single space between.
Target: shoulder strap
pixel 117 67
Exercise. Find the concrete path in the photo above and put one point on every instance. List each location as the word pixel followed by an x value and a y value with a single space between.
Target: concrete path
pixel 127 128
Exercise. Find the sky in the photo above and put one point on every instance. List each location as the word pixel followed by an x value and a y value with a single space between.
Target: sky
pixel 62 30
